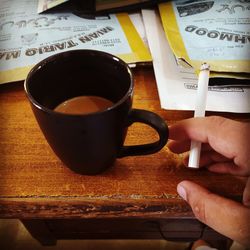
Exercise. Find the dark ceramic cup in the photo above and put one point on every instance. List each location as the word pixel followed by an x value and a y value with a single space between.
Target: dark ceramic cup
pixel 88 143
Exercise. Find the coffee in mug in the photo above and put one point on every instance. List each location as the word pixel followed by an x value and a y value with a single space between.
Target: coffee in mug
pixel 83 105
pixel 82 101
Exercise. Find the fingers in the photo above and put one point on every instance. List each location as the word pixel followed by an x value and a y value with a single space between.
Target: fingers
pixel 183 146
pixel 208 158
pixel 178 146
pixel 211 159
pixel 227 168
pixel 224 167
pixel 227 137
pixel 223 215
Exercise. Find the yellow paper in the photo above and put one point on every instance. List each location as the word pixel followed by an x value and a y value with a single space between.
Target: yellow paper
pixel 38 36
pixel 216 52
pixel 140 51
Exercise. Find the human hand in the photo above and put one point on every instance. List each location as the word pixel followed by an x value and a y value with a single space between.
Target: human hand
pixel 226 143
pixel 225 149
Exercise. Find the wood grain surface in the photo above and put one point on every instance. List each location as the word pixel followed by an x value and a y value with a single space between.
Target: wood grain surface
pixel 35 184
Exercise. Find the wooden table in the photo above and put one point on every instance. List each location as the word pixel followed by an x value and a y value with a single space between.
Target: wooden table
pixel 135 199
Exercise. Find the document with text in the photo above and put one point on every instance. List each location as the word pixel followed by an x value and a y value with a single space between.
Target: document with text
pixel 27 37
pixel 177 85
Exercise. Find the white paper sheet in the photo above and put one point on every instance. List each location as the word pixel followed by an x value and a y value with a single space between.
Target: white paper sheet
pixel 177 85
pixel 137 21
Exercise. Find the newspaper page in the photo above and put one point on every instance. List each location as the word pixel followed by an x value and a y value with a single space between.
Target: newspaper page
pixel 216 32
pixel 177 85
pixel 27 37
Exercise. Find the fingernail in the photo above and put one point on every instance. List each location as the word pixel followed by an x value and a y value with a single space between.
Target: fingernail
pixel 182 192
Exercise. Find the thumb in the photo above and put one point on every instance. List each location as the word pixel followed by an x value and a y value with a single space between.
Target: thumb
pixel 223 215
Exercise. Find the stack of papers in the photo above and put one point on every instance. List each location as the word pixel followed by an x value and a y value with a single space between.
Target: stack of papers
pixel 177 85
pixel 215 32
pixel 27 37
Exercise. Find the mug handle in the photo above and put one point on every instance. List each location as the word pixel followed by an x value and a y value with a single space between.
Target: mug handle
pixel 154 121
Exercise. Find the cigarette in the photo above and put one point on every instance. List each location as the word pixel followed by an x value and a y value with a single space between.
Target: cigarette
pixel 200 108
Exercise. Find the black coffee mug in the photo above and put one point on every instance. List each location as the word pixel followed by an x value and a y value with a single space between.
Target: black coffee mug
pixel 88 143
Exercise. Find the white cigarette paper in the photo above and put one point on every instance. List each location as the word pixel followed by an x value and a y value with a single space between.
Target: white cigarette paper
pixel 200 108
